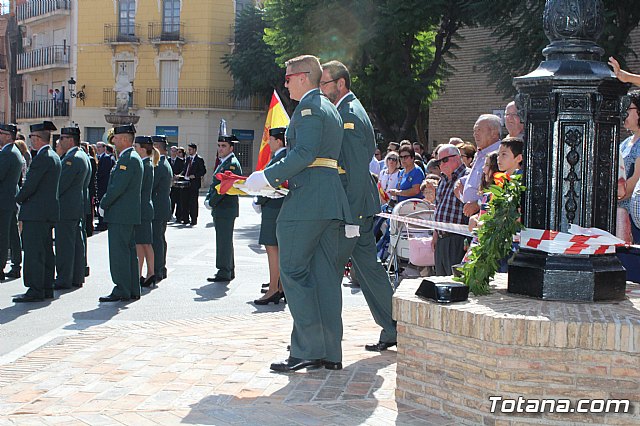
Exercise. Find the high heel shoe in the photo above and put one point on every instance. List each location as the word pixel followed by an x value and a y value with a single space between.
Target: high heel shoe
pixel 142 279
pixel 149 282
pixel 275 298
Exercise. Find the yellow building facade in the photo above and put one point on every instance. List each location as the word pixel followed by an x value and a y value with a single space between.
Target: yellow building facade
pixel 170 52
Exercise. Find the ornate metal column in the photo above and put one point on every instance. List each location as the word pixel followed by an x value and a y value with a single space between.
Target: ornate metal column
pixel 571 107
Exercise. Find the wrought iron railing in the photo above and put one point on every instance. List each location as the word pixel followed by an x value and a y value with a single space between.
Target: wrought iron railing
pixel 166 31
pixel 109 98
pixel 42 109
pixel 46 56
pixel 33 8
pixel 116 33
pixel 200 99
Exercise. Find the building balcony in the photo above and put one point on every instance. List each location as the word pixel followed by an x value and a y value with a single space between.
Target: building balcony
pixel 182 99
pixel 43 58
pixel 121 34
pixel 164 32
pixel 109 98
pixel 42 109
pixel 34 10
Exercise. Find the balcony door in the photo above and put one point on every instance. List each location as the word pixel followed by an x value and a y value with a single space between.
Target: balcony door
pixel 171 19
pixel 126 18
pixel 169 73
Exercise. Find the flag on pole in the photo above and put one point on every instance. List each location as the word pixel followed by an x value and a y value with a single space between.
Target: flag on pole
pixel 276 117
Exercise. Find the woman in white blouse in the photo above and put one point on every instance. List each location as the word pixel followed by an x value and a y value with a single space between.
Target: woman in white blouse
pixel 389 175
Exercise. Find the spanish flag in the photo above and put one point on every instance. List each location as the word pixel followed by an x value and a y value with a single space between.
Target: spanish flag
pixel 276 117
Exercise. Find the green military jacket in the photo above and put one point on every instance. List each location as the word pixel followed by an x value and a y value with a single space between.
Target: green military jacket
pixel 271 206
pixel 315 193
pixel 38 196
pixel 146 205
pixel 160 196
pixel 358 146
pixel 224 205
pixel 71 189
pixel 11 162
pixel 88 207
pixel 121 202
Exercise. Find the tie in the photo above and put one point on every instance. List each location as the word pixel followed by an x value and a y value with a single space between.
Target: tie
pixel 189 161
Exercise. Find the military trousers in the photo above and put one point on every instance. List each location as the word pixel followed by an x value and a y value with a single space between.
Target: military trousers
pixel 15 243
pixel 39 260
pixel 374 280
pixel 70 254
pixel 159 228
pixel 123 261
pixel 311 278
pixel 225 261
pixel 5 235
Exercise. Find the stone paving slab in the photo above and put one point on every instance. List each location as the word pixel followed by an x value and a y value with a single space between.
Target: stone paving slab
pixel 212 371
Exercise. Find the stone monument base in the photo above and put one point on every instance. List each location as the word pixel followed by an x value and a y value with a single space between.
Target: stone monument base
pixel 460 359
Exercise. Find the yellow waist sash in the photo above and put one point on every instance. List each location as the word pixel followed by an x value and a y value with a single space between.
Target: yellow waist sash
pixel 329 163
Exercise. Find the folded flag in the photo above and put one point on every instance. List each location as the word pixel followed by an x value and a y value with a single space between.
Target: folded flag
pixel 227 179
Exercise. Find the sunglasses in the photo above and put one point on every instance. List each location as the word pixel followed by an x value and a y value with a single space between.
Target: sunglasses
pixel 287 77
pixel 444 159
pixel 323 83
pixel 392 159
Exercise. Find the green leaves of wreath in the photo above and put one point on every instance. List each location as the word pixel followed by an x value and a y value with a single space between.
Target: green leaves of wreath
pixel 495 235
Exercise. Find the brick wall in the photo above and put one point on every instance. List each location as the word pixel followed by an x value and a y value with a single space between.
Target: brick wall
pixel 452 358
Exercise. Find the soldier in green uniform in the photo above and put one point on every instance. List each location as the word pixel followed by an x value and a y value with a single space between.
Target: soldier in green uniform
pixel 39 211
pixel 143 232
pixel 70 246
pixel 120 207
pixel 224 210
pixel 11 162
pixel 309 222
pixel 88 209
pixel 161 197
pixel 358 147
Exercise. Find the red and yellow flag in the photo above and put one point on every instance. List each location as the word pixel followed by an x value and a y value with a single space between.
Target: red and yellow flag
pixel 276 117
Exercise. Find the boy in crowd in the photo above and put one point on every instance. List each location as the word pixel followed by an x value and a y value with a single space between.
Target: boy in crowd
pixel 510 155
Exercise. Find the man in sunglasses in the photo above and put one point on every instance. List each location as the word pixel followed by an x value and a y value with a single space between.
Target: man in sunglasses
pixel 309 222
pixel 358 145
pixel 449 247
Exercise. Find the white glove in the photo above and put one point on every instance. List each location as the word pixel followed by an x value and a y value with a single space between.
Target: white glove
pixel 101 211
pixel 257 181
pixel 351 231
pixel 206 204
pixel 256 207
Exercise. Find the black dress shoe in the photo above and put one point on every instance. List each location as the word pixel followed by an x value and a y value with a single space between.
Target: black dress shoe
pixel 330 365
pixel 218 279
pixel 136 297
pixel 77 285
pixel 264 290
pixel 380 346
pixel 149 282
pixel 111 298
pixel 295 364
pixel 48 294
pixel 194 222
pixel 265 285
pixel 27 299
pixel 274 298
pixel 14 273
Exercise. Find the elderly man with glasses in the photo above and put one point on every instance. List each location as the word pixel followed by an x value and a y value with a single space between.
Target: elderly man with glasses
pixel 449 247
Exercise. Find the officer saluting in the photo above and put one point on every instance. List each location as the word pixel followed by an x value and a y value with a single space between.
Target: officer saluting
pixel 10 168
pixel 70 244
pixel 39 211
pixel 224 209
pixel 121 210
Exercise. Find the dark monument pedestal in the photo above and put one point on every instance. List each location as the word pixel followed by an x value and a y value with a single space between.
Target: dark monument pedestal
pixel 588 278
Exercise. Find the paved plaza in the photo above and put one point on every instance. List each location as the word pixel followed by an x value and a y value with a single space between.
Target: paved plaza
pixel 186 353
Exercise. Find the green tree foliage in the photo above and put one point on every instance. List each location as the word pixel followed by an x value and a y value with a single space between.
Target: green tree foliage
pixel 253 62
pixel 518 27
pixel 395 49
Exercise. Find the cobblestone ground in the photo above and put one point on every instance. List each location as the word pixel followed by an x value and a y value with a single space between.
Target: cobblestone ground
pixel 212 371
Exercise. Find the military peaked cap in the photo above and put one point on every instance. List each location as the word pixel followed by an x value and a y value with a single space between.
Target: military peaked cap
pixel 44 126
pixel 127 128
pixel 11 128
pixel 228 138
pixel 277 131
pixel 159 139
pixel 143 140
pixel 73 131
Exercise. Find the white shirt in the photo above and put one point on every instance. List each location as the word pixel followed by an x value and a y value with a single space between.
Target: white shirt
pixel 374 166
